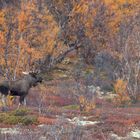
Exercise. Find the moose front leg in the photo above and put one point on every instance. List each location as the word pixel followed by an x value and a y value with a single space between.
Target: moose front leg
pixel 22 101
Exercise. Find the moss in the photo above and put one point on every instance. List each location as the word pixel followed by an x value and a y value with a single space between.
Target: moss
pixel 11 120
pixel 72 107
pixel 27 120
pixel 2 117
pixel 20 112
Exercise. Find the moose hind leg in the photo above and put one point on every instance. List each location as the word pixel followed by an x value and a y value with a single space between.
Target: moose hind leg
pixel 25 102
pixel 4 102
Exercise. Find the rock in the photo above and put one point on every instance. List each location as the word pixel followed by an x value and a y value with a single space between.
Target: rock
pixel 135 134
pixel 115 137
pixel 108 93
pixel 98 88
pixel 96 91
pixel 11 131
pixel 92 88
pixel 42 125
pixel 82 121
pixel 110 96
pixel 64 76
pixel 42 138
pixel 102 93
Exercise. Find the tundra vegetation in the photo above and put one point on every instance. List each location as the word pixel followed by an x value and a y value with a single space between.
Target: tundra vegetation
pixel 88 55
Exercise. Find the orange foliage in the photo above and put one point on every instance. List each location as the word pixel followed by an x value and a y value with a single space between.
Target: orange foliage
pixel 107 14
pixel 86 105
pixel 120 89
pixel 28 39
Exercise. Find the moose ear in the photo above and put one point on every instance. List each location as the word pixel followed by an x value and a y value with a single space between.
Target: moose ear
pixel 38 71
pixel 25 72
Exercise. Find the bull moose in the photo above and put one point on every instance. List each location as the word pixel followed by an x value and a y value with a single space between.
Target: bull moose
pixel 19 87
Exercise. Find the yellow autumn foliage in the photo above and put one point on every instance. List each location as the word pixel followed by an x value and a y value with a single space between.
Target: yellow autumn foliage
pixel 120 88
pixel 86 105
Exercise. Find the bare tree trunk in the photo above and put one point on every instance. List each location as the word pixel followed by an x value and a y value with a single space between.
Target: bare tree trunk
pixel 17 62
pixel 131 59
pixel 8 37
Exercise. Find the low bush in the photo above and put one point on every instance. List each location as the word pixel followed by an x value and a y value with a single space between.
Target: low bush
pixel 20 112
pixel 86 105
pixel 27 120
pixel 19 116
pixel 122 98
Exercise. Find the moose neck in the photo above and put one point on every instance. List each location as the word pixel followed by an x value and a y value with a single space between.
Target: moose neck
pixel 31 80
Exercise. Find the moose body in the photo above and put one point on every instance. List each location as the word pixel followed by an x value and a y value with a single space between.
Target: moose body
pixel 19 87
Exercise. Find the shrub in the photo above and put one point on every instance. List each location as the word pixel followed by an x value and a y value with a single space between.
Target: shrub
pixel 85 104
pixel 18 116
pixel 27 120
pixel 10 100
pixel 120 89
pixel 20 112
pixel 11 120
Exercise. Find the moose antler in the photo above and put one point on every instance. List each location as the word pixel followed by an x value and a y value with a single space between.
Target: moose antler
pixel 25 72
